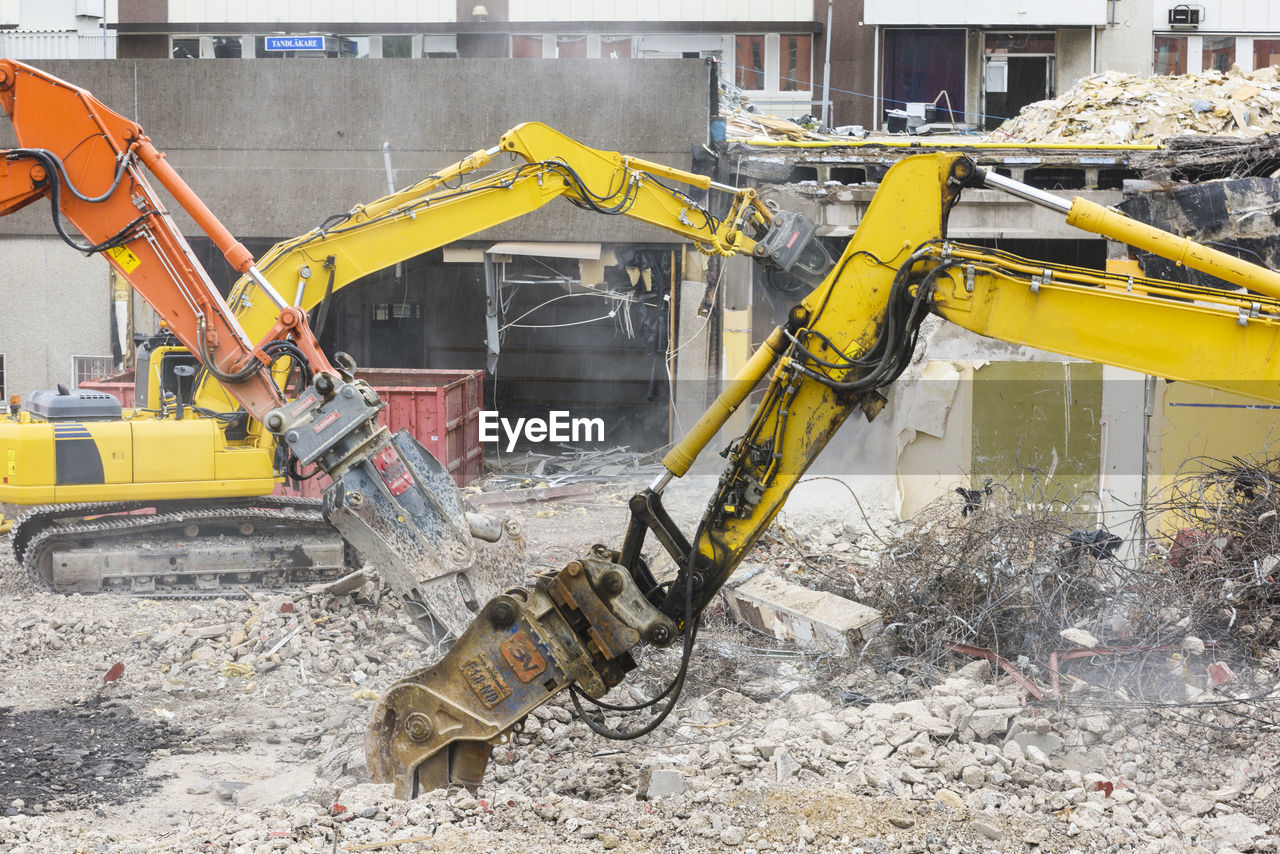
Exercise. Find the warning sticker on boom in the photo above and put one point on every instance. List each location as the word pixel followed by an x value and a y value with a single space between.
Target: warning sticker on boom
pixel 126 259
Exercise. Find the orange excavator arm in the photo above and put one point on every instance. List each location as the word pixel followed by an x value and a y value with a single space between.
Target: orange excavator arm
pixel 389 497
pixel 87 160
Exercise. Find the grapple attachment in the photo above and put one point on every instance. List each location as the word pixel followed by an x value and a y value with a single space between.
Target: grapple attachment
pixel 437 726
pixel 396 504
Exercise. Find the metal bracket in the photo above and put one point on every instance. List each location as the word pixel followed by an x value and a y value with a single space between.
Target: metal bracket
pixel 1254 310
pixel 1044 279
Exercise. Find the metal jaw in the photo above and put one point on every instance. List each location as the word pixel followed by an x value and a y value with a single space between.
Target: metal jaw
pixel 437 726
pixel 395 503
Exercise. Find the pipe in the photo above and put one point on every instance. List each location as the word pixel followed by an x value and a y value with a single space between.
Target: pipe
pixel 923 145
pixel 386 161
pixel 1025 191
pixel 233 250
pixel 679 458
pixel 826 73
pixel 875 79
pixel 1089 216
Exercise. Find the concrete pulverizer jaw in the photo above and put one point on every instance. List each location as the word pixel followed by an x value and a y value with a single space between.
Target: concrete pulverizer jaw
pixel 394 502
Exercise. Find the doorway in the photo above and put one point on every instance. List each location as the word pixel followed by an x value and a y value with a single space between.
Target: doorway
pixel 1018 69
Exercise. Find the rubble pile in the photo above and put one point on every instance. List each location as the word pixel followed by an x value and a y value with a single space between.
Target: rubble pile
pixel 744 121
pixel 264 704
pixel 1016 575
pixel 1224 551
pixel 1116 108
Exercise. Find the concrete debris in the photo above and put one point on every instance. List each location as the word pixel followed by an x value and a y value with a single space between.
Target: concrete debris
pixel 348 583
pixel 813 619
pixel 1079 637
pixel 663 781
pixel 1116 108
pixel 770 748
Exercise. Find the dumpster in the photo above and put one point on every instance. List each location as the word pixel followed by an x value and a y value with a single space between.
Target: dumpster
pixel 441 408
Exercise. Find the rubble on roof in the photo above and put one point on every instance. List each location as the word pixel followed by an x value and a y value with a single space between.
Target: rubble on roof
pixel 744 121
pixel 1116 108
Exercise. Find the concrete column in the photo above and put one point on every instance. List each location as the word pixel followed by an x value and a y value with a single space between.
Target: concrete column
pixel 1244 52
pixel 1195 54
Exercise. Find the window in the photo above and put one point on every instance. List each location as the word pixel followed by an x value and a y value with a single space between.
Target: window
pixel 185 49
pixel 526 47
pixel 437 46
pixel 354 47
pixel 797 63
pixel 749 62
pixel 4 398
pixel 226 47
pixel 388 311
pixel 209 47
pixel 1219 53
pixel 1266 52
pixel 615 47
pixel 86 368
pixel 397 47
pixel 571 47
pixel 1170 55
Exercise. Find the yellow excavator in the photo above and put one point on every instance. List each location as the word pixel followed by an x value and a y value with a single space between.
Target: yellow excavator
pixel 577 628
pixel 143 500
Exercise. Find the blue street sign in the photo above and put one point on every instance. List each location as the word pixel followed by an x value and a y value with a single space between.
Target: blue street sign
pixel 295 42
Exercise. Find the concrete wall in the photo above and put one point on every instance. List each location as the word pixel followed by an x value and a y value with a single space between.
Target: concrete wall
pixel 853 55
pixel 275 147
pixel 1245 16
pixel 56 305
pixel 1074 58
pixel 1126 44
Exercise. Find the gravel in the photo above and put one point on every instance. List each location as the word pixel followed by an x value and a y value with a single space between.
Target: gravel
pixel 237 726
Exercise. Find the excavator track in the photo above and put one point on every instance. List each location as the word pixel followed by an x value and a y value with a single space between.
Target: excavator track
pixel 180 548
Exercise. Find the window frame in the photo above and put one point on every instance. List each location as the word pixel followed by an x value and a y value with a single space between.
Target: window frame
pixel 760 70
pixel 1231 52
pixel 75 368
pixel 787 83
pixel 1180 56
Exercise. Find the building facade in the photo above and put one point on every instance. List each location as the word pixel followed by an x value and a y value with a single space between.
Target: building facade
pixel 1215 35
pixel 57 29
pixel 766 47
pixel 981 61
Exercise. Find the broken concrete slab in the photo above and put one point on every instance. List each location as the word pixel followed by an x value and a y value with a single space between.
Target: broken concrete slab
pixel 662 781
pixel 811 618
pixel 283 788
pixel 346 584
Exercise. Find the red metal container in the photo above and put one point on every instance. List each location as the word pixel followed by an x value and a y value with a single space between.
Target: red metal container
pixel 119 385
pixel 441 408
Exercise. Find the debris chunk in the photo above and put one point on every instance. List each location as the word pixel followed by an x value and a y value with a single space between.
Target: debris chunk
pixel 811 618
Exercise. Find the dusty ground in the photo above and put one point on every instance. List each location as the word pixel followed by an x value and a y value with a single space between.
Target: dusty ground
pixel 236 725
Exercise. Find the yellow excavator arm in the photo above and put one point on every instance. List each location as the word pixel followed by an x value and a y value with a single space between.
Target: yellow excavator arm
pixel 388 497
pixel 841 346
pixel 441 209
